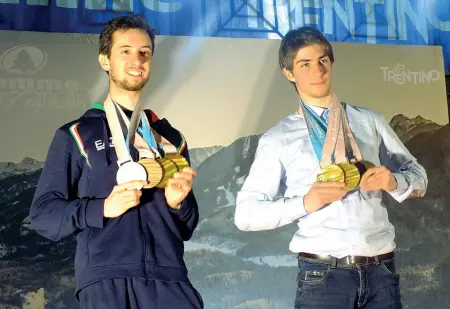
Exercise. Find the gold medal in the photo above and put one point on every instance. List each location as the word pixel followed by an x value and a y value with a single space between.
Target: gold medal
pixel 352 176
pixel 331 173
pixel 160 170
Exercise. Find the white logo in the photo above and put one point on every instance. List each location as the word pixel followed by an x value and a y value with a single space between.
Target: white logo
pixel 100 145
pixel 23 60
pixel 400 76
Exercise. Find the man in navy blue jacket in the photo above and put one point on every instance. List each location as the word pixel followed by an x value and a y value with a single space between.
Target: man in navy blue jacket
pixel 129 240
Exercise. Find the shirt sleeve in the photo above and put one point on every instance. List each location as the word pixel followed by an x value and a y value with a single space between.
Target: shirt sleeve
pixel 412 180
pixel 258 205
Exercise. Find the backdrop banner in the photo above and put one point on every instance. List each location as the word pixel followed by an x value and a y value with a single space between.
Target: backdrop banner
pixel 378 21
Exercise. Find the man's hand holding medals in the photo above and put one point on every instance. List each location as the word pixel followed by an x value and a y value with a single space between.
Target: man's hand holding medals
pixel 323 193
pixel 127 195
pixel 179 187
pixel 122 198
pixel 168 170
pixel 342 166
pixel 378 178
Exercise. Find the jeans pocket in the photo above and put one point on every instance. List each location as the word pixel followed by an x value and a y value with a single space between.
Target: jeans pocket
pixel 312 273
pixel 389 268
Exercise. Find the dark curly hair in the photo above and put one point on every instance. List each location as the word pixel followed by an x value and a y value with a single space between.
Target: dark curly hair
pixel 123 23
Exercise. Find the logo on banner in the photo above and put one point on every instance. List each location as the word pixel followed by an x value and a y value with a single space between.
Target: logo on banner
pixel 21 87
pixel 399 75
pixel 23 60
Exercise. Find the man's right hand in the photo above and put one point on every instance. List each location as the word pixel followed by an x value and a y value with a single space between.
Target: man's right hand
pixel 122 198
pixel 323 193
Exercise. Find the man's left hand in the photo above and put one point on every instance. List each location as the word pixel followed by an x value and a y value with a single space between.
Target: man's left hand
pixel 378 178
pixel 179 186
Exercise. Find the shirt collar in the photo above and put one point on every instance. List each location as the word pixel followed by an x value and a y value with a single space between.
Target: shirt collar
pixel 318 110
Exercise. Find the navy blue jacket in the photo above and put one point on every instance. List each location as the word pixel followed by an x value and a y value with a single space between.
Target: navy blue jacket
pixel 78 175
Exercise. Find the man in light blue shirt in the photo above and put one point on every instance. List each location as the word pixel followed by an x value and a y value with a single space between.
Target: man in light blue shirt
pixel 345 242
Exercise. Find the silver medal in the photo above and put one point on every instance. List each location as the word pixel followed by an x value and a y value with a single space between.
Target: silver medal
pixel 130 171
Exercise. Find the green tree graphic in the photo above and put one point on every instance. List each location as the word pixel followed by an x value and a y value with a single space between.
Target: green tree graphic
pixel 23 62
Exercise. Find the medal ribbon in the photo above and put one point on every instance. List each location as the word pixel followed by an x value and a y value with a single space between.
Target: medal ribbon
pixel 351 139
pixel 317 128
pixel 148 133
pixel 147 144
pixel 132 126
pixel 329 141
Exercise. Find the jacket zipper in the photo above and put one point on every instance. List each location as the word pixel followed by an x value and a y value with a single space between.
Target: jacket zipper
pixel 143 243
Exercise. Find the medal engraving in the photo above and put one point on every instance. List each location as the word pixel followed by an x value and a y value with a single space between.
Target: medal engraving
pixel 331 173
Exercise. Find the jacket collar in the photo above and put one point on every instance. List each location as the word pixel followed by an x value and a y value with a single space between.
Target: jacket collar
pixel 98 105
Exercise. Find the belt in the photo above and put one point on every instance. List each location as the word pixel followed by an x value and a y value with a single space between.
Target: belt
pixel 347 260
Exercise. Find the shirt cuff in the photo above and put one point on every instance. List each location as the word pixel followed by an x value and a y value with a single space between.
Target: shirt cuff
pixel 295 208
pixel 403 189
pixel 94 213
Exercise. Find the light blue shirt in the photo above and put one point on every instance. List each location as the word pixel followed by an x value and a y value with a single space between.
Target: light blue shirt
pixel 285 167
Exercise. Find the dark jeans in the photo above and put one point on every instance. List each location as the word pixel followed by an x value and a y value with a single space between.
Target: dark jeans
pixel 371 286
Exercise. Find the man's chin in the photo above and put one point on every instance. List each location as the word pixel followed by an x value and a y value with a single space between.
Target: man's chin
pixel 134 86
pixel 321 94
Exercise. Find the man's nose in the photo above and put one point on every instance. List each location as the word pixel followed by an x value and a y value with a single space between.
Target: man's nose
pixel 320 69
pixel 136 58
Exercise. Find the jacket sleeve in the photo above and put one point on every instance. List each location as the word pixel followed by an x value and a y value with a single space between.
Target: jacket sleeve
pixel 56 210
pixel 187 215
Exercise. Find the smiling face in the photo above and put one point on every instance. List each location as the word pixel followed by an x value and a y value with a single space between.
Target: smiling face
pixel 130 60
pixel 311 72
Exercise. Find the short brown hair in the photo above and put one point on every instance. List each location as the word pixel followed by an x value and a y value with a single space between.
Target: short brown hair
pixel 299 38
pixel 123 23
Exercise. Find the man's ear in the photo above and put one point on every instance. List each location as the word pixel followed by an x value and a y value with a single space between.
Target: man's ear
pixel 288 74
pixel 104 62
